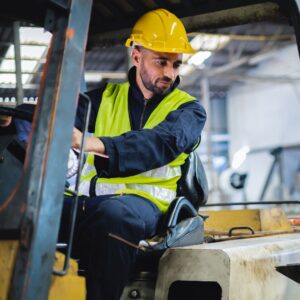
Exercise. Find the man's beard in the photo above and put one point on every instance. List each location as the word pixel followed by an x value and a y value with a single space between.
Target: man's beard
pixel 153 87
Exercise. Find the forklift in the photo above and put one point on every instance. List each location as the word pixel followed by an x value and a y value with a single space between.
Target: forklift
pixel 241 254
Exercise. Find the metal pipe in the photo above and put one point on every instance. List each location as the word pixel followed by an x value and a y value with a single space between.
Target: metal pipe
pixel 27 86
pixel 268 180
pixel 224 18
pixel 234 16
pixel 251 203
pixel 24 72
pixel 16 29
pixel 206 103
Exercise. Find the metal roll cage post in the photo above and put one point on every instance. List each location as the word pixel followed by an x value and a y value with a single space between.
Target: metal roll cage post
pixel 42 184
pixel 68 245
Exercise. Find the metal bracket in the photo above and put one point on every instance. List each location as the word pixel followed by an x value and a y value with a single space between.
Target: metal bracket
pixel 232 229
pixel 56 7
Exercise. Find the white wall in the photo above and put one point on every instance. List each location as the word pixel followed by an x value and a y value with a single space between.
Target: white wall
pixel 265 114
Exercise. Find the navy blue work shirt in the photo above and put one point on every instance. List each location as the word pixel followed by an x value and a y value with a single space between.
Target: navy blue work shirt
pixel 142 149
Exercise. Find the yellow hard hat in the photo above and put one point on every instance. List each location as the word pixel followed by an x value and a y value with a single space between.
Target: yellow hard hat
pixel 159 30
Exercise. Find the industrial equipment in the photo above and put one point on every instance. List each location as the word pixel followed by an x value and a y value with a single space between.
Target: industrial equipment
pixel 247 254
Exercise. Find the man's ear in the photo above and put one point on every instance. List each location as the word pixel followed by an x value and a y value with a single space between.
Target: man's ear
pixel 136 56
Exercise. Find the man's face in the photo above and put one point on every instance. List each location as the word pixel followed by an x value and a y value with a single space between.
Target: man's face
pixel 156 71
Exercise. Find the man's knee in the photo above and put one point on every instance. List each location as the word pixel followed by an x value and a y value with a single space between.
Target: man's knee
pixel 118 218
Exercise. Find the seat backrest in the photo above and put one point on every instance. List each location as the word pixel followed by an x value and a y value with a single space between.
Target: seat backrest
pixel 193 182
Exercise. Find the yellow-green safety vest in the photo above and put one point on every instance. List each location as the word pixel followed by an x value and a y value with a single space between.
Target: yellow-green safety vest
pixel 158 185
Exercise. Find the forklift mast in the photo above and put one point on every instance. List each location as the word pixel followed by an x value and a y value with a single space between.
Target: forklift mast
pixel 30 215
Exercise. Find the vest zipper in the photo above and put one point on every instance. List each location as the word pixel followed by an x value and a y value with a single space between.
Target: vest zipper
pixel 142 115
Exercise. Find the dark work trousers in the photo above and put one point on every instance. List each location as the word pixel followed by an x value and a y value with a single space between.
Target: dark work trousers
pixel 108 261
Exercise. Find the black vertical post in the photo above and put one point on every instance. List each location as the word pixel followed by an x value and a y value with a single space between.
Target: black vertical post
pixel 292 9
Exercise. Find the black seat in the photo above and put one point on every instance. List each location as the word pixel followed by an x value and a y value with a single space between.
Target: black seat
pixel 191 193
pixel 181 225
pixel 193 182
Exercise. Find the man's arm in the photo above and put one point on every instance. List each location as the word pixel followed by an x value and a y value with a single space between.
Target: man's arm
pixel 92 144
pixel 142 150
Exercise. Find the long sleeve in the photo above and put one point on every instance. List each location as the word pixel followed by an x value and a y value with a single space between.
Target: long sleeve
pixel 142 150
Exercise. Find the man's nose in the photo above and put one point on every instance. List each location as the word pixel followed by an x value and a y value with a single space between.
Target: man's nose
pixel 169 72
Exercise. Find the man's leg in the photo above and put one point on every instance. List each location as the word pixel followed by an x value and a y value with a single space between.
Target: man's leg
pixel 65 222
pixel 109 260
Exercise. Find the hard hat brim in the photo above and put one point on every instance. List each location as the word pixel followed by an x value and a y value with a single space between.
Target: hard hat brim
pixel 188 50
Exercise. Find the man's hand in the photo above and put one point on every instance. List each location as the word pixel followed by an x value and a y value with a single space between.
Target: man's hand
pixel 77 138
pixel 5 120
pixel 92 144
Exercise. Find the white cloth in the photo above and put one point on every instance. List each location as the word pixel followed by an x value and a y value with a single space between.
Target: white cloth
pixel 73 164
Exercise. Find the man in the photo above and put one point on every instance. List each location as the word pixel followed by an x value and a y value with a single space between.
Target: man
pixel 143 131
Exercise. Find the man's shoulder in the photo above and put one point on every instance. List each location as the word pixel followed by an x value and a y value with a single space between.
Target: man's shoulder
pixel 106 87
pixel 193 104
pixel 183 93
pixel 97 92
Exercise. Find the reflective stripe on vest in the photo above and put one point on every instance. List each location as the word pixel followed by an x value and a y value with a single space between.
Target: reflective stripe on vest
pixel 158 185
pixel 159 192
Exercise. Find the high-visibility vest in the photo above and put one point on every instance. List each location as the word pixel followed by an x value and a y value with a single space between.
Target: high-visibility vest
pixel 158 185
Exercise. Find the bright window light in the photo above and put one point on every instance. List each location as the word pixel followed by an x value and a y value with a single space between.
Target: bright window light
pixel 8 65
pixel 11 78
pixel 186 69
pixel 34 44
pixel 199 58
pixel 209 42
pixel 34 35
pixel 92 77
pixel 239 157
pixel 206 45
pixel 32 52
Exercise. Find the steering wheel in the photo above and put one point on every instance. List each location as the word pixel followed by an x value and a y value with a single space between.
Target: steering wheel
pixel 17 113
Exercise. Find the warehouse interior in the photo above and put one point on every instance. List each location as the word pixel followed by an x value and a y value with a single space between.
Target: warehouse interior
pixel 239 239
pixel 246 77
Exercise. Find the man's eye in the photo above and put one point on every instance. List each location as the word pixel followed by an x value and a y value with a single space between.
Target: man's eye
pixel 176 66
pixel 161 62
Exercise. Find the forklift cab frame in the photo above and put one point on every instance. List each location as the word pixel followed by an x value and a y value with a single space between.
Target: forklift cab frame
pixel 32 211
